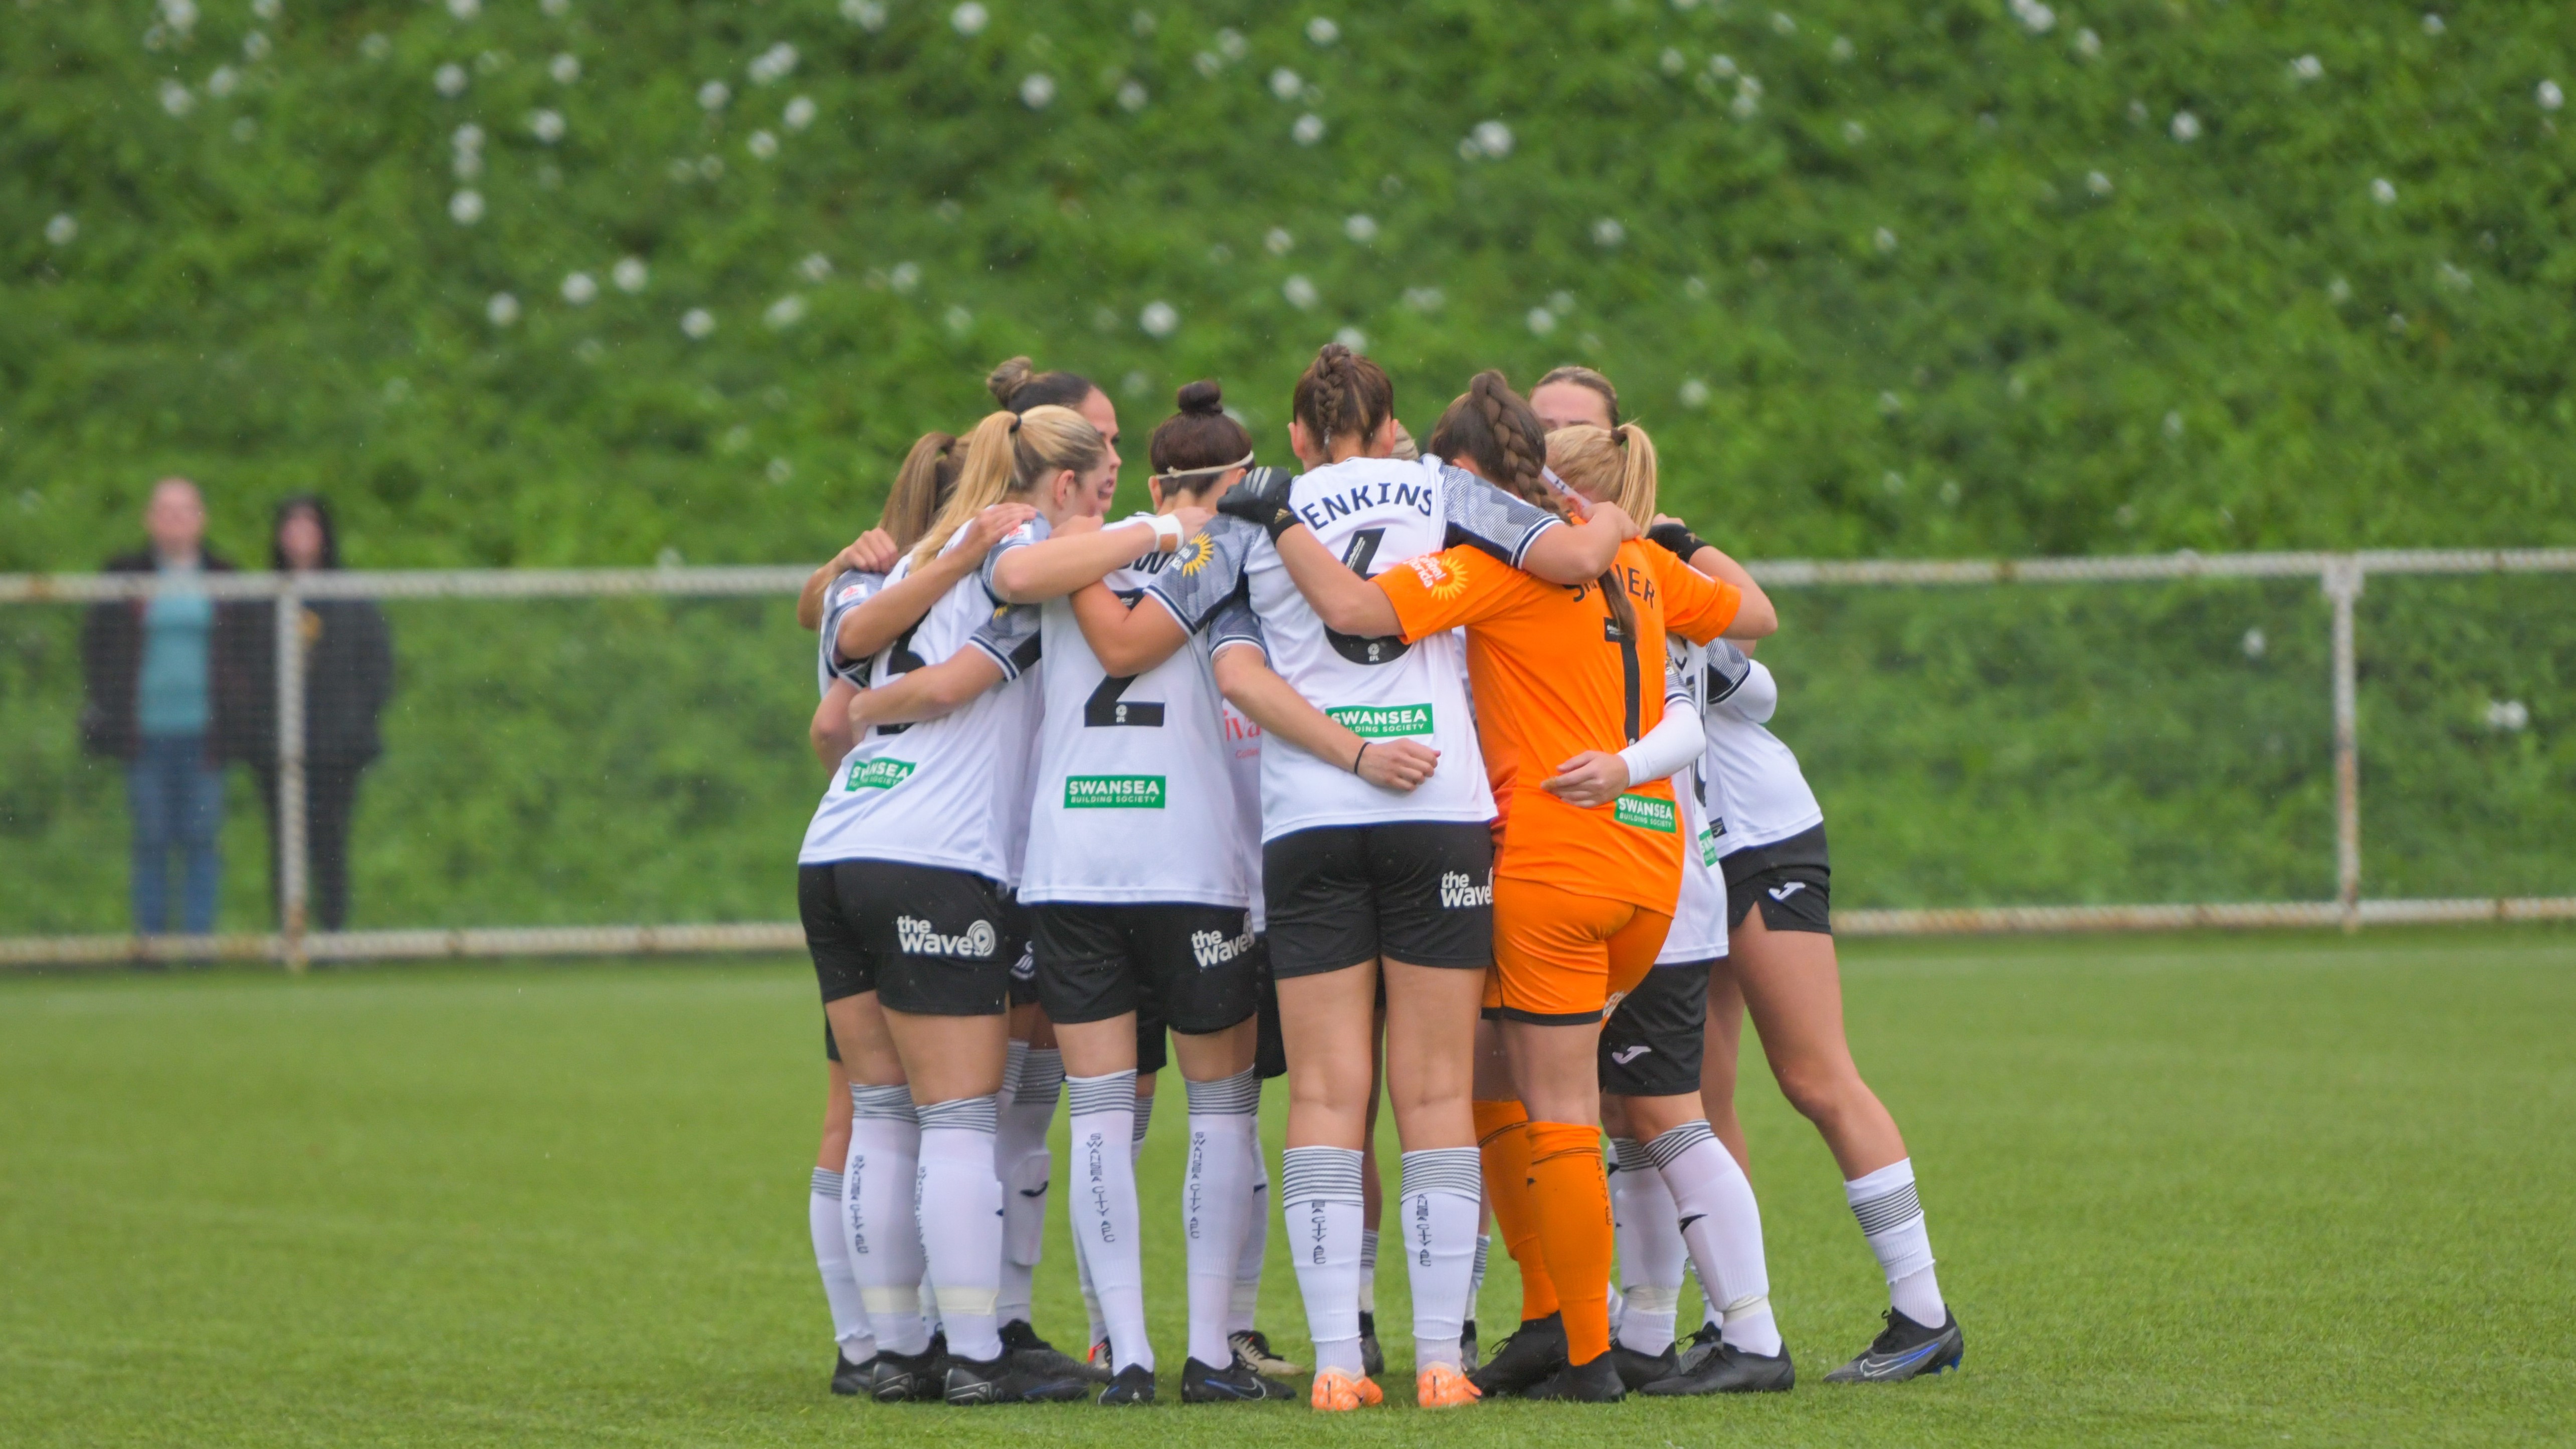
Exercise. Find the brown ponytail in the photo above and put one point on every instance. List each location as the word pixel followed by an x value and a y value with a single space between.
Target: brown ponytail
pixel 1342 395
pixel 1493 425
pixel 921 487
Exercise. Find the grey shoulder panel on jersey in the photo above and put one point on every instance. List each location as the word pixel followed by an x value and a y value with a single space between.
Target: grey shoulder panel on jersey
pixel 1727 667
pixel 1036 530
pixel 1486 517
pixel 1235 623
pixel 849 589
pixel 1209 571
pixel 1011 637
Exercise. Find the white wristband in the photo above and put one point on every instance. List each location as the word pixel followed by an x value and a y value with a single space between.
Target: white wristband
pixel 1167 533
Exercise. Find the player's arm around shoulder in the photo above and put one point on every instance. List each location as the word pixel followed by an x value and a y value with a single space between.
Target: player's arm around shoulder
pixel 1701 608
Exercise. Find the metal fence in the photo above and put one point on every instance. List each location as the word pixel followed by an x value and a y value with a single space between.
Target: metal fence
pixel 2341 577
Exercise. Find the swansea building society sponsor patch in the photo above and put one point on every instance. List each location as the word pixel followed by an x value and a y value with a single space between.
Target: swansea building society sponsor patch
pixel 1382 721
pixel 1645 812
pixel 1113 792
pixel 878 774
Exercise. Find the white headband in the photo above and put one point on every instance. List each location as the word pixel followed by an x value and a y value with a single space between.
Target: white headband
pixel 1243 462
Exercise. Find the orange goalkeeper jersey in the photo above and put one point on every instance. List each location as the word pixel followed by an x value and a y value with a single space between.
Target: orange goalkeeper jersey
pixel 1552 678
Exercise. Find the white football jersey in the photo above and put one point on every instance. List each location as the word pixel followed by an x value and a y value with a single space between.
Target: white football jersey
pixel 1234 626
pixel 952 791
pixel 850 589
pixel 1134 796
pixel 1699 916
pixel 1374 513
pixel 1757 794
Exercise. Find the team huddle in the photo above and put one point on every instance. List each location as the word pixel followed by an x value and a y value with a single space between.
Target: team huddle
pixel 1437 777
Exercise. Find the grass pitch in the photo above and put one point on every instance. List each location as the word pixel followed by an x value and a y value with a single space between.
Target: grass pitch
pixel 2185 1190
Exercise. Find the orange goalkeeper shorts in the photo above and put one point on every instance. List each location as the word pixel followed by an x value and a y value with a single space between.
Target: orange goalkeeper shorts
pixel 1562 959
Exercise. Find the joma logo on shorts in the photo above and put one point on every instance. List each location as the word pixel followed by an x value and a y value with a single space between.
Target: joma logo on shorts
pixel 878 774
pixel 917 937
pixel 1458 890
pixel 1382 721
pixel 1215 948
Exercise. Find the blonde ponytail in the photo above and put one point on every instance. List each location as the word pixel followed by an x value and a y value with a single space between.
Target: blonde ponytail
pixel 1006 455
pixel 1637 473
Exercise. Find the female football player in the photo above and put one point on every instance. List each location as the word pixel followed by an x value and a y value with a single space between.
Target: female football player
pixel 1569 692
pixel 1365 887
pixel 921 828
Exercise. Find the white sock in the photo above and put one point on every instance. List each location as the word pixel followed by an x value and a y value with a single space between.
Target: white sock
pixel 832 1260
pixel 1650 1248
pixel 1722 1225
pixel 1254 1252
pixel 1096 1329
pixel 877 1186
pixel 961 1222
pixel 1436 1222
pixel 1368 1266
pixel 1476 1283
pixel 1030 1085
pixel 1216 1194
pixel 1891 1218
pixel 1144 1121
pixel 1104 1208
pixel 1319 1201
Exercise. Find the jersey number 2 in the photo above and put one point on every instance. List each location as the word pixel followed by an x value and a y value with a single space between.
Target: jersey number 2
pixel 1105 710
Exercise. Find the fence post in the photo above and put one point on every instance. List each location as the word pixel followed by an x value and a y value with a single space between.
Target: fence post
pixel 290 773
pixel 2342 583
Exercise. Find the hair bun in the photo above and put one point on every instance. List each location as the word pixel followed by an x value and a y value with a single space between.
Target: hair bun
pixel 1203 399
pixel 1007 379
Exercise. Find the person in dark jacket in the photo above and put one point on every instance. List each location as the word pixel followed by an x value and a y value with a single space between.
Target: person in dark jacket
pixel 167 695
pixel 348 676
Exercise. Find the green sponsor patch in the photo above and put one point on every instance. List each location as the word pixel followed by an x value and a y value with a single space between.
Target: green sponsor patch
pixel 1645 812
pixel 878 774
pixel 1708 847
pixel 1381 721
pixel 1113 792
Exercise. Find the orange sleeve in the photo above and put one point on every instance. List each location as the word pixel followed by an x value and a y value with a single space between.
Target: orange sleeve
pixel 1696 606
pixel 1437 591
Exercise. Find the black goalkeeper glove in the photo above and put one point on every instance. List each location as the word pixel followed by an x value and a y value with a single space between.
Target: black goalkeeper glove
pixel 1261 497
pixel 1676 539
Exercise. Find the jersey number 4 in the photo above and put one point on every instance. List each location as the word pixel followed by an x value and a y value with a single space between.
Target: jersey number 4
pixel 1360 648
pixel 1105 710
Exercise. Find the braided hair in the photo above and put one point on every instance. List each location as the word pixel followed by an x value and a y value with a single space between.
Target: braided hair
pixel 1341 395
pixel 1494 426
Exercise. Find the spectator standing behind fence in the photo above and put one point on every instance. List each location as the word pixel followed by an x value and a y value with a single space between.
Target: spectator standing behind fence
pixel 165 695
pixel 348 675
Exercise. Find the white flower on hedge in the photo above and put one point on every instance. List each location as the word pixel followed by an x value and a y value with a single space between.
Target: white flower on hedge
pixel 2035 17
pixel 1037 91
pixel 466 207
pixel 464 9
pixel 2307 68
pixel 2453 277
pixel 1854 133
pixel 450 80
pixel 467 138
pixel 565 68
pixel 904 277
pixel 1278 242
pixel 868 15
pixel 62 229
pixel 1301 294
pixel 969 18
pixel 2173 425
pixel 376 46
pixel 784 313
pixel 2549 95
pixel 1694 393
pixel 1607 232
pixel 1424 299
pixel 244 128
pixel 469 164
pixel 1308 130
pixel 1695 287
pixel 221 83
pixel 1158 319
pixel 1541 321
pixel 1322 30
pixel 1360 227
pixel 713 95
pixel 1672 61
pixel 1841 49
pixel 1492 138
pixel 2432 23
pixel 2383 191
pixel 698 323
pixel 710 167
pixel 579 289
pixel 630 274
pixel 958 319
pixel 1889 404
pixel 547 126
pixel 761 145
pixel 1206 64
pixel 2508 714
pixel 1781 22
pixel 1285 85
pixel 815 267
pixel 255 47
pixel 265 9
pixel 555 9
pixel 503 309
pixel 1722 66
pixel 1231 44
pixel 1352 338
pixel 773 64
pixel 2186 126
pixel 2338 291
pixel 1883 239
pixel 177 99
pixel 2088 44
pixel 181 15
pixel 1131 96
pixel 2097 183
pixel 799 113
